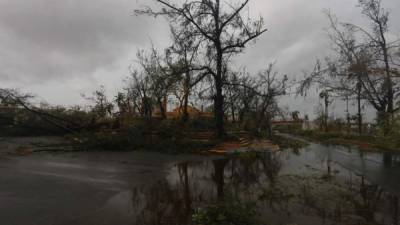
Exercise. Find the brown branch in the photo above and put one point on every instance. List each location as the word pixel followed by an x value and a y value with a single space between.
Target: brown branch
pixel 243 43
pixel 234 14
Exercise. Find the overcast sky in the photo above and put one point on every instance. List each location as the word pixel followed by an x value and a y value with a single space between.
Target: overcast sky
pixel 60 49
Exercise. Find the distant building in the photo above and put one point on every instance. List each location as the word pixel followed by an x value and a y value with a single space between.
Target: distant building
pixel 174 110
pixel 192 111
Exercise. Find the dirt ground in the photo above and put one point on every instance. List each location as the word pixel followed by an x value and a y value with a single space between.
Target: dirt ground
pixel 11 145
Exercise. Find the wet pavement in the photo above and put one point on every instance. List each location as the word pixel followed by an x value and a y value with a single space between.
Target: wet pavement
pixel 317 184
pixel 74 188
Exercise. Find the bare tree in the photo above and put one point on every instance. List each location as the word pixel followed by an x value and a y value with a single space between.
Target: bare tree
pixel 258 96
pixel 325 96
pixel 102 107
pixel 225 31
pixel 365 64
pixel 270 85
pixel 234 95
pixel 384 52
pixel 161 78
pixel 122 101
pixel 183 58
pixel 352 65
pixel 139 93
pixel 245 95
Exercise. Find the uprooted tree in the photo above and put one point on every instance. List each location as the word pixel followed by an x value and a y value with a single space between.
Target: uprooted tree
pixel 14 98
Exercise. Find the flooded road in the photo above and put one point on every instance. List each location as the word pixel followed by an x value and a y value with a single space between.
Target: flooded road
pixel 75 188
pixel 314 185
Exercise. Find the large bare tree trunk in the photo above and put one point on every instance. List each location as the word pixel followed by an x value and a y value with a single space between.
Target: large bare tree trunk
pixel 326 116
pixel 185 112
pixel 359 115
pixel 227 36
pixel 219 99
pixel 162 106
pixel 233 113
pixel 219 110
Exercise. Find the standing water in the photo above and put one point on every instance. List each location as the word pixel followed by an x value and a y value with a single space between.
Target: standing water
pixel 317 184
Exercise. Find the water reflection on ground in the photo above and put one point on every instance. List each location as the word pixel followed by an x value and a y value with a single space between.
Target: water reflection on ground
pixel 315 185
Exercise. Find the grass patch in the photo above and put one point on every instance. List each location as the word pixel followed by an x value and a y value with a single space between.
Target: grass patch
pixel 363 142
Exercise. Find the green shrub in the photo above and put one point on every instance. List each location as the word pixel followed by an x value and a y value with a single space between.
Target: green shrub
pixel 168 136
pixel 230 212
pixel 389 137
pixel 290 128
pixel 201 123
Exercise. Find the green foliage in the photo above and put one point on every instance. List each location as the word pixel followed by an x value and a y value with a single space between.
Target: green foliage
pixel 276 195
pixel 17 121
pixel 168 136
pixel 201 124
pixel 380 141
pixel 291 128
pixel 102 106
pixel 229 212
pixel 389 135
pixel 326 136
pixel 169 129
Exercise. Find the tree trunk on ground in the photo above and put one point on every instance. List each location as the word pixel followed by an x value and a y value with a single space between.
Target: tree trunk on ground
pixel 44 117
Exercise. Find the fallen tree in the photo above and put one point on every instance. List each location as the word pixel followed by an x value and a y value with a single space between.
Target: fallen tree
pixel 13 98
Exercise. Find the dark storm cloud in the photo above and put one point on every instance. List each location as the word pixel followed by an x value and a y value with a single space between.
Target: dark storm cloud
pixel 47 39
pixel 297 37
pixel 59 49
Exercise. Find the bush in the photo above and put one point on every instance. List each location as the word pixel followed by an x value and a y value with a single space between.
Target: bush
pixel 291 128
pixel 168 136
pixel 170 129
pixel 201 123
pixel 230 212
pixel 389 140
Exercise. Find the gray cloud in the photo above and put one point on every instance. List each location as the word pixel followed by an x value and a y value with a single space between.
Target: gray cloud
pixel 297 38
pixel 59 49
pixel 45 39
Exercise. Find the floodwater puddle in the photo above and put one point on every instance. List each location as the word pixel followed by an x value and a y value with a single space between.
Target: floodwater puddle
pixel 314 185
